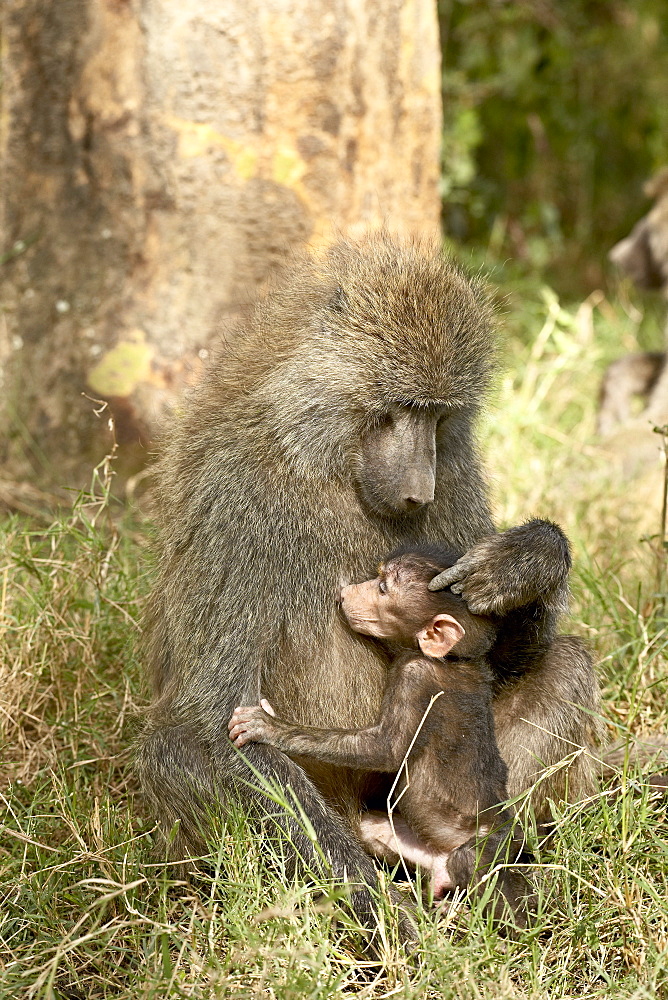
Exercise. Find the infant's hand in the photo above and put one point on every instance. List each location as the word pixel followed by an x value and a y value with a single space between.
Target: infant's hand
pixel 251 724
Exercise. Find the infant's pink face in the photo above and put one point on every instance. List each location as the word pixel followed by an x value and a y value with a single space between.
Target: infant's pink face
pixel 373 607
pixel 396 605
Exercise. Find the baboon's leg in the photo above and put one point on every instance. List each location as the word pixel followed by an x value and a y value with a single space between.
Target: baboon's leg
pixel 394 840
pixel 546 716
pixel 176 777
pixel 184 784
pixel 657 406
pixel 632 375
pixel 470 863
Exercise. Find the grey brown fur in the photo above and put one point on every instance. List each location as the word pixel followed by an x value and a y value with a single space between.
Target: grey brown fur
pixel 279 485
pixel 643 257
pixel 435 730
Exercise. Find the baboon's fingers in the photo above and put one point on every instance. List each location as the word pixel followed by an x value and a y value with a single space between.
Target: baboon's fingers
pixel 234 718
pixel 447 577
pixel 459 571
pixel 237 730
pixel 247 732
pixel 242 713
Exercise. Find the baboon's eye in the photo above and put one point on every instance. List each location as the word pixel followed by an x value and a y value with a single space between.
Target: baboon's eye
pixel 381 586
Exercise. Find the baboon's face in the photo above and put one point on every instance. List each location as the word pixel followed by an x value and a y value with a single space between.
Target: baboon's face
pixel 362 606
pixel 391 606
pixel 397 462
pixel 397 606
pixel 378 607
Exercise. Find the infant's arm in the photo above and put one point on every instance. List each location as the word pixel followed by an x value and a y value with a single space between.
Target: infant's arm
pixel 381 747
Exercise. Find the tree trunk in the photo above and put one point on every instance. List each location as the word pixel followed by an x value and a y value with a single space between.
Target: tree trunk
pixel 159 157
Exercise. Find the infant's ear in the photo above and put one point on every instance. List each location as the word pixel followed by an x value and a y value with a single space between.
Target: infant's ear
pixel 438 638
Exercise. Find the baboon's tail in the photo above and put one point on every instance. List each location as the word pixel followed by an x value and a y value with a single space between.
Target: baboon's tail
pixel 651 755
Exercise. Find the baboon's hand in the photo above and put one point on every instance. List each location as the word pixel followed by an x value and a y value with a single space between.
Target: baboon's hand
pixel 252 724
pixel 511 569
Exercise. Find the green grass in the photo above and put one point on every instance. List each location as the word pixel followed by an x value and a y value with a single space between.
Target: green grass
pixel 88 912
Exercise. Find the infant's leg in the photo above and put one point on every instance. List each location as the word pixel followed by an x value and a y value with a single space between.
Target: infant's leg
pixel 396 840
pixel 441 880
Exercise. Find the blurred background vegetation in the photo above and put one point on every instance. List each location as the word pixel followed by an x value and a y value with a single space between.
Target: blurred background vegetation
pixel 554 116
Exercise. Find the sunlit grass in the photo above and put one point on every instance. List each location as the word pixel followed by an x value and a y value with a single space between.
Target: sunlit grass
pixel 88 911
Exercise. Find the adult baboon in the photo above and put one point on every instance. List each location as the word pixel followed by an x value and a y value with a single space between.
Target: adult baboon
pixel 643 257
pixel 339 426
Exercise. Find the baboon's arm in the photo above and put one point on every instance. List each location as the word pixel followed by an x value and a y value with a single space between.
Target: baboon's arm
pixel 366 749
pixel 381 747
pixel 520 576
pixel 512 569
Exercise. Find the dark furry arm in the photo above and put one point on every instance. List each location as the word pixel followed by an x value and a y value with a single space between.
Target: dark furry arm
pixel 364 749
pixel 381 747
pixel 520 576
pixel 512 569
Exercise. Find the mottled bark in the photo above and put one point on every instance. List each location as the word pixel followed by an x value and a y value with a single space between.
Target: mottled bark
pixel 159 158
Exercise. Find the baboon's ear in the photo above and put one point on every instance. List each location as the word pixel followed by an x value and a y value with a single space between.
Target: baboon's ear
pixel 339 300
pixel 438 638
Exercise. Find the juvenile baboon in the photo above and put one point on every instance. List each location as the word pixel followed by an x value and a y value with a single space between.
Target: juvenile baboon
pixel 643 257
pixel 338 426
pixel 435 730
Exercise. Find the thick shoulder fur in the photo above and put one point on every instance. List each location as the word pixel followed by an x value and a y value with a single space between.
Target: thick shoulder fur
pixel 405 320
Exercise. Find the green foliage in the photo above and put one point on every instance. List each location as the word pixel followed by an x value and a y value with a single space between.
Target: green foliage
pixel 554 116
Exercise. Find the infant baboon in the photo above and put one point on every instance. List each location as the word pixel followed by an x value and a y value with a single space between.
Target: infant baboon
pixel 436 728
